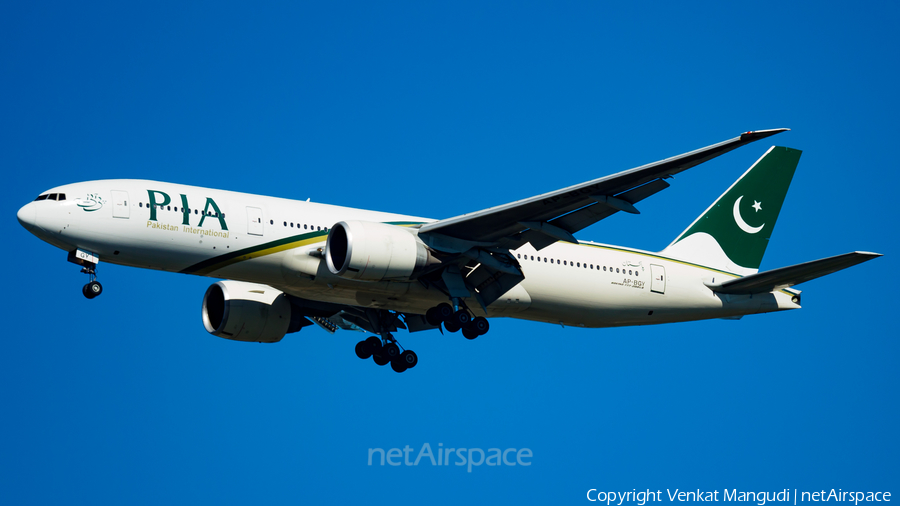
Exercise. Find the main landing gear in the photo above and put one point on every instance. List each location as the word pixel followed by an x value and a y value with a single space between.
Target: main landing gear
pixel 93 288
pixel 385 350
pixel 454 321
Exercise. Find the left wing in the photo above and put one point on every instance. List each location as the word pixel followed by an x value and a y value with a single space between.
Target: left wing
pixel 555 216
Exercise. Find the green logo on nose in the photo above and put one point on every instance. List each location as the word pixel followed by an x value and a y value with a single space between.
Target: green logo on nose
pixel 92 203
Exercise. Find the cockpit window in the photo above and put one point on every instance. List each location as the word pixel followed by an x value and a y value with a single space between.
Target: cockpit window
pixel 51 196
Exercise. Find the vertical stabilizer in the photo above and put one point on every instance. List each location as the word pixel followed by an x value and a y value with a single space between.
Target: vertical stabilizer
pixel 732 234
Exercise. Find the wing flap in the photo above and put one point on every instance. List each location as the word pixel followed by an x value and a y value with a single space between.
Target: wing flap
pixel 784 277
pixel 588 215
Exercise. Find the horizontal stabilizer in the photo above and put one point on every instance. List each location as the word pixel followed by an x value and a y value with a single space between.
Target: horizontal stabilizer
pixel 784 277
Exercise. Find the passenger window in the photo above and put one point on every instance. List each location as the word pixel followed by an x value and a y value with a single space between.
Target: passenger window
pixel 532 257
pixel 617 270
pixel 292 224
pixel 168 208
pixel 140 204
pixel 579 264
pixel 285 224
pixel 604 268
pixel 545 259
pixel 518 255
pixel 318 228
pixel 304 226
pixel 539 259
pixel 564 262
pixel 271 222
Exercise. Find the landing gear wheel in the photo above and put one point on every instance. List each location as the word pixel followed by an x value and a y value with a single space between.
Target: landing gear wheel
pixel 461 318
pixel 470 333
pixel 409 359
pixel 397 365
pixel 380 358
pixel 391 351
pixel 377 351
pixel 451 327
pixel 363 350
pixel 433 317
pixel 480 325
pixel 443 311
pixel 92 289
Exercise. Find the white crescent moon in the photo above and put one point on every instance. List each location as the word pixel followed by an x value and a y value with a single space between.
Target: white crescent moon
pixel 740 221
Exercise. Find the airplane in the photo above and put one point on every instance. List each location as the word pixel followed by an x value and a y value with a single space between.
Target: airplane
pixel 288 264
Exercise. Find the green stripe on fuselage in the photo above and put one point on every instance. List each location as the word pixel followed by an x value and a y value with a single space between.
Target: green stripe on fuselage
pixel 669 259
pixel 295 241
pixel 215 263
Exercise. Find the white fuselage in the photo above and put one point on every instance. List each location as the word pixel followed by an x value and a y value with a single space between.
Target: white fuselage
pixel 268 240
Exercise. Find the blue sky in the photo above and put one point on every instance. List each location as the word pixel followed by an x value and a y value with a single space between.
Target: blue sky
pixel 437 110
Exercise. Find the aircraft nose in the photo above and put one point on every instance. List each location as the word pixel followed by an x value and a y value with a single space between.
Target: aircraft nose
pixel 27 216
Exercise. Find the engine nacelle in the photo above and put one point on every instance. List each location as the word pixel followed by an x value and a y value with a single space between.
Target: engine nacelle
pixel 246 312
pixel 370 251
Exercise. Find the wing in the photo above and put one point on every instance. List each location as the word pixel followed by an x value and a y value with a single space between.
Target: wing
pixel 545 219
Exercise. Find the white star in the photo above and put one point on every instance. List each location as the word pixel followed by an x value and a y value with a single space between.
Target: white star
pixel 757 206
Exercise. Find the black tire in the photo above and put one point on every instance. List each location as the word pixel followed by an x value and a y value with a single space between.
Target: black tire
pixel 461 318
pixel 409 359
pixel 94 288
pixel 374 342
pixel 397 365
pixel 470 333
pixel 451 327
pixel 433 317
pixel 481 325
pixel 363 350
pixel 379 358
pixel 86 293
pixel 444 311
pixel 391 351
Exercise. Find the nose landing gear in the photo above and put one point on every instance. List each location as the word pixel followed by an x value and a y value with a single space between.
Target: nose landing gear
pixel 88 262
pixel 93 288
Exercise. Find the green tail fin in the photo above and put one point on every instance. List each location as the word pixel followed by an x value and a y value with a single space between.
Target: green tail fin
pixel 741 221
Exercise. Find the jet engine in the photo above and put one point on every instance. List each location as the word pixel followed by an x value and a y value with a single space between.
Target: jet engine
pixel 246 312
pixel 370 251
